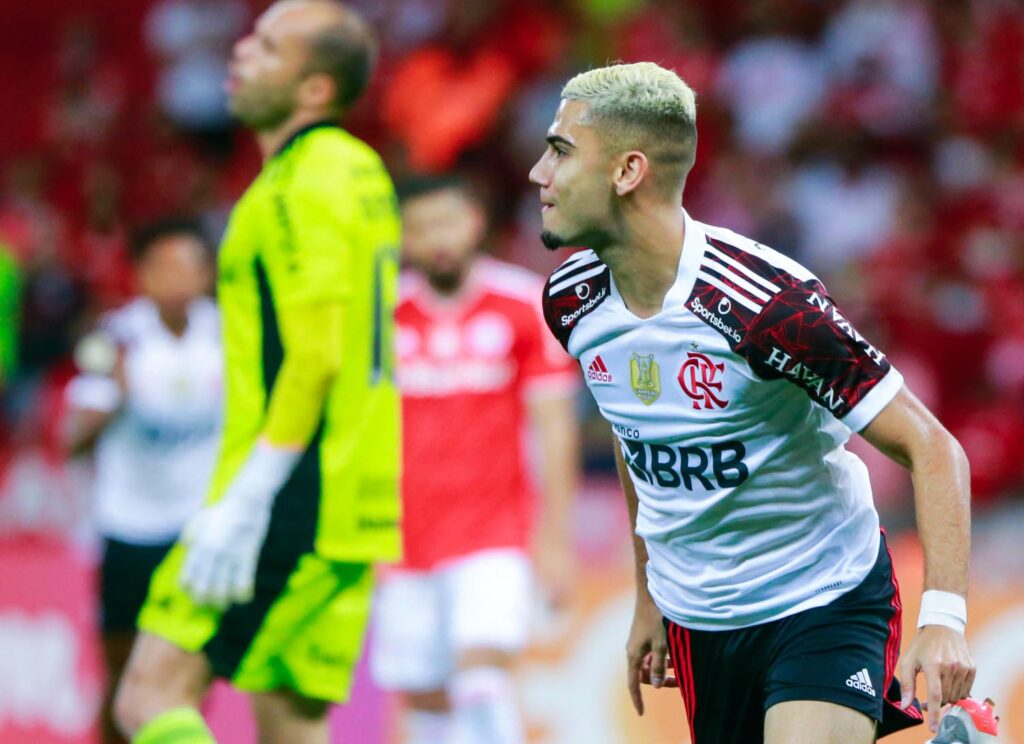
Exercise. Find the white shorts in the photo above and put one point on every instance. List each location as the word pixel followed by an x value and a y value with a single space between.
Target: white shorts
pixel 423 620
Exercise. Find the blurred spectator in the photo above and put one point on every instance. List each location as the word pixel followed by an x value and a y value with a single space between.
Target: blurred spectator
pixel 883 63
pixel 844 205
pixel 28 220
pixel 101 255
pixel 86 105
pixel 676 35
pixel 193 39
pixel 985 64
pixel 443 98
pixel 772 84
pixel 9 311
pixel 52 302
pixel 405 24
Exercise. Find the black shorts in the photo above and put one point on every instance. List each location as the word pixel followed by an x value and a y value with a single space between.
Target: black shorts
pixel 843 653
pixel 124 581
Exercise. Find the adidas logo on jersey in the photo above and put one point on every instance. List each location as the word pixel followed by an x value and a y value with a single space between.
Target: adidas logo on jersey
pixel 598 372
pixel 861 681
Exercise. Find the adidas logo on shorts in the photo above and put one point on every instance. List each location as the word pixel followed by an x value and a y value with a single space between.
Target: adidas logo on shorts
pixel 598 372
pixel 861 681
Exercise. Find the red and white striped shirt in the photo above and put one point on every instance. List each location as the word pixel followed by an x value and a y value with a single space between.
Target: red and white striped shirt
pixel 467 364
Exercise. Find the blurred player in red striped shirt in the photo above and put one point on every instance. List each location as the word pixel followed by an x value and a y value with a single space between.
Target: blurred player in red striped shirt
pixel 486 392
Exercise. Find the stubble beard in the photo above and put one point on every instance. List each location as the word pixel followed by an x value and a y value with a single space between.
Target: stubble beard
pixel 596 239
pixel 596 236
pixel 260 113
pixel 551 240
pixel 445 282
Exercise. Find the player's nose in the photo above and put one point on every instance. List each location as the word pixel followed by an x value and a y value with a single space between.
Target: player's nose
pixel 539 174
pixel 238 51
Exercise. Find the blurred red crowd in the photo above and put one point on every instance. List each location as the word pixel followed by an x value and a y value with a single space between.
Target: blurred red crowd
pixel 880 142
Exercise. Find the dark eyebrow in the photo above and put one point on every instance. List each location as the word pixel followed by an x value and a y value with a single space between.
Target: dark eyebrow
pixel 554 139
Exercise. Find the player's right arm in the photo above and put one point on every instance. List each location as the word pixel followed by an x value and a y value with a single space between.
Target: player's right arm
pixel 95 395
pixel 553 423
pixel 312 333
pixel 646 648
pixel 907 432
pixel 308 274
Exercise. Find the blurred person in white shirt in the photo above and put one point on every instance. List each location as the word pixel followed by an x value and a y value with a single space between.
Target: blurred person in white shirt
pixel 147 401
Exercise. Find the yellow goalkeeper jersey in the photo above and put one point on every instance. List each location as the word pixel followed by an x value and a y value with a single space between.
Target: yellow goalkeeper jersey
pixel 320 223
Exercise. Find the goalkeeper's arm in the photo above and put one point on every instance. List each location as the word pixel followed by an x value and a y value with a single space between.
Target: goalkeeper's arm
pixel 311 334
pixel 225 538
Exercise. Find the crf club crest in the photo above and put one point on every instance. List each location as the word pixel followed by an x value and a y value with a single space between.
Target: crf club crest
pixel 699 379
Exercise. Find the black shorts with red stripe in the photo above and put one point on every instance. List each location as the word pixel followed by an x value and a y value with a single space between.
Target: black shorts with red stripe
pixel 843 653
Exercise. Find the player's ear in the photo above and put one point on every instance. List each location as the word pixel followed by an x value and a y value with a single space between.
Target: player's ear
pixel 317 91
pixel 630 171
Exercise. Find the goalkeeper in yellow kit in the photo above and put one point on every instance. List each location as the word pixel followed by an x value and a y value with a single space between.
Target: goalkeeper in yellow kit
pixel 270 585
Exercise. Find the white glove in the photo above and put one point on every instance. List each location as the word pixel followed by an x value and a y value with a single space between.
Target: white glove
pixel 224 539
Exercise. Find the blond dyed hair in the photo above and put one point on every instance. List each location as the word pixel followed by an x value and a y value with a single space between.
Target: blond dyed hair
pixel 645 107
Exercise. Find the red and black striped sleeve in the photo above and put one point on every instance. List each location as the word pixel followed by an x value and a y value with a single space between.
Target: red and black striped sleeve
pixel 789 328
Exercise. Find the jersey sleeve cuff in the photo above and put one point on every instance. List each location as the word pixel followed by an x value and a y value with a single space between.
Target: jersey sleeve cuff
pixel 93 392
pixel 877 398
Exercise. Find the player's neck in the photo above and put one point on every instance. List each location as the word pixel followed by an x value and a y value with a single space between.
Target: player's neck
pixel 271 141
pixel 645 262
pixel 175 323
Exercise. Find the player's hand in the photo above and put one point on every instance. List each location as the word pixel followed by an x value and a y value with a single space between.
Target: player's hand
pixel 941 654
pixel 646 652
pixel 224 539
pixel 224 542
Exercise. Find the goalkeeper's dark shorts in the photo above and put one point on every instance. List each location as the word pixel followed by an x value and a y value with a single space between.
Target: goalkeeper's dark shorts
pixel 843 653
pixel 303 630
pixel 125 572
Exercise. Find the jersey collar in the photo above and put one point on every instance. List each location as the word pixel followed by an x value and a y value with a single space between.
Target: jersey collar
pixel 302 131
pixel 694 241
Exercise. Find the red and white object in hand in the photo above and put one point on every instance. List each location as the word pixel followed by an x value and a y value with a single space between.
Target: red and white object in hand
pixel 968 722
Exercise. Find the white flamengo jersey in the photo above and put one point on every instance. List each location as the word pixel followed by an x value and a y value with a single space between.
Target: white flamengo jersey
pixel 155 457
pixel 731 407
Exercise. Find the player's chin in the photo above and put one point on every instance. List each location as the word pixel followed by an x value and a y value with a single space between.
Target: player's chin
pixel 552 240
pixel 446 281
pixel 243 109
pixel 236 108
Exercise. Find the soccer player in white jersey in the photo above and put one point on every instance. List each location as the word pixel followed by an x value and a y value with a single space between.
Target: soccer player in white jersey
pixel 148 397
pixel 731 382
